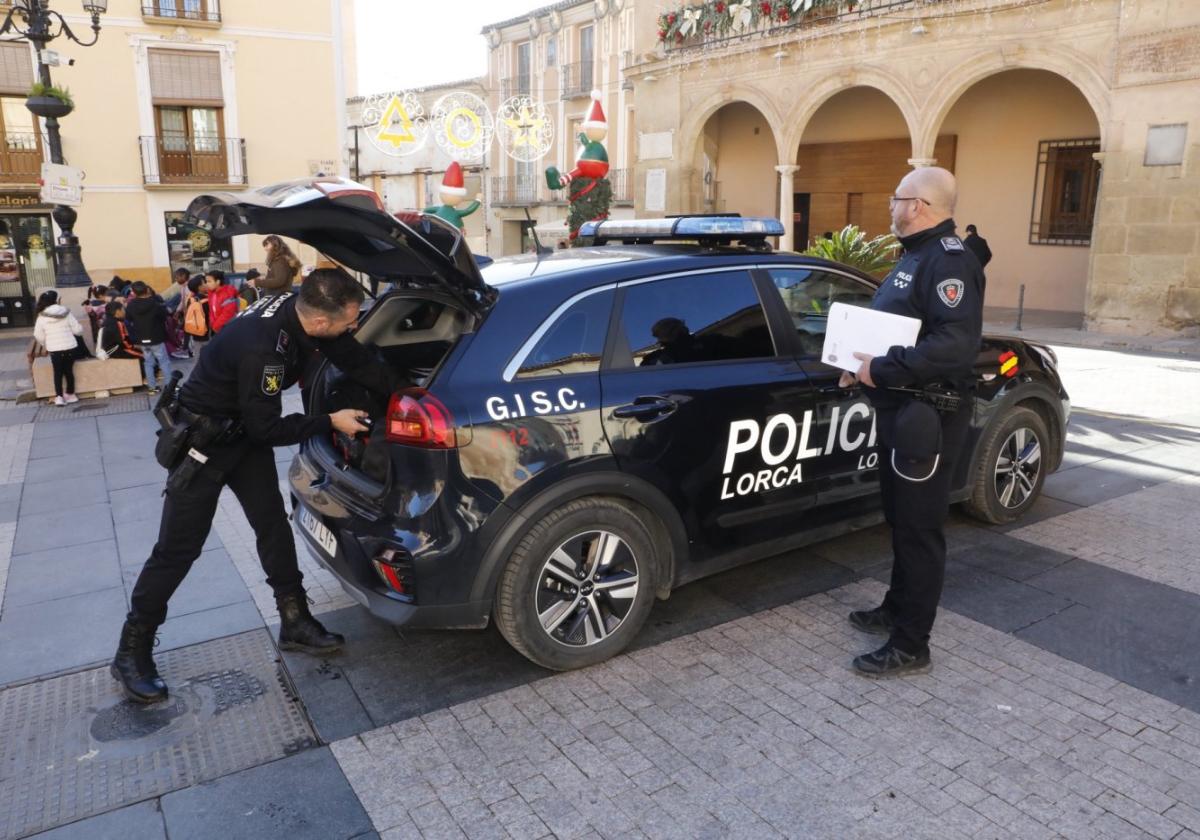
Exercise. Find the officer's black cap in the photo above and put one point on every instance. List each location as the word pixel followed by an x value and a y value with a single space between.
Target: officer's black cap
pixel 918 443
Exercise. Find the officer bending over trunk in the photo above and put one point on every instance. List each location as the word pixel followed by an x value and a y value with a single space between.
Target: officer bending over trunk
pixel 939 282
pixel 219 430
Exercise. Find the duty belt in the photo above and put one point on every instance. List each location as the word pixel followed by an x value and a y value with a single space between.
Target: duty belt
pixel 943 399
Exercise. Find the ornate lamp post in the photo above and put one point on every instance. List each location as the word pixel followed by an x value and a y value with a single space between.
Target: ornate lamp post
pixel 34 21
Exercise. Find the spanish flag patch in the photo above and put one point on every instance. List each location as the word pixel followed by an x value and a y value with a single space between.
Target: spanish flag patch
pixel 1008 363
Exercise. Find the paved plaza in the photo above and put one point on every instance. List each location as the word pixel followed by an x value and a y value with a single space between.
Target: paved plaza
pixel 1064 700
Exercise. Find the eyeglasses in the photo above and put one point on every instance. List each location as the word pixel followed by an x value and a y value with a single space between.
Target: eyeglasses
pixel 893 199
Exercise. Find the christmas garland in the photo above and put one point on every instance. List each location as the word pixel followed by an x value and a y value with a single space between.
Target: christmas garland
pixel 732 17
pixel 590 199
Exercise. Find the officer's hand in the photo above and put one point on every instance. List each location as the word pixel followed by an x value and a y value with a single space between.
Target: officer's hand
pixel 847 380
pixel 864 371
pixel 346 421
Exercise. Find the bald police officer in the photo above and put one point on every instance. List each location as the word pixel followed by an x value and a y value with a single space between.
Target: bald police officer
pixel 234 397
pixel 938 281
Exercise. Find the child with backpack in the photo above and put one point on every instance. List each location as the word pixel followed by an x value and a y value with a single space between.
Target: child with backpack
pixel 56 330
pixel 222 299
pixel 195 312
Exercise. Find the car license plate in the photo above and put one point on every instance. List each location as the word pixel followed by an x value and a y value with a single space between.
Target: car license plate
pixel 318 532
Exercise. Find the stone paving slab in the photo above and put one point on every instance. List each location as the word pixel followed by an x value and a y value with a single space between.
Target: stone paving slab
pixel 1138 533
pixel 143 821
pixel 72 746
pixel 758 728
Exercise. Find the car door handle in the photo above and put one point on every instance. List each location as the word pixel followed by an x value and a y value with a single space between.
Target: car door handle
pixel 645 408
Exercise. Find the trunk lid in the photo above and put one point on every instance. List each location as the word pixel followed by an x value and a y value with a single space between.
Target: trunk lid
pixel 347 222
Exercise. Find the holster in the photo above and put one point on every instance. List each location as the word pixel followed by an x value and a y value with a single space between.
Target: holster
pixel 172 443
pixel 201 432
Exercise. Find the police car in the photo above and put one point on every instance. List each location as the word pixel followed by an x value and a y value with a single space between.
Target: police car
pixel 591 428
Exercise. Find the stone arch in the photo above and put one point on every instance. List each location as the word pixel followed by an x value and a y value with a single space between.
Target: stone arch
pixel 800 116
pixel 700 112
pixel 1073 66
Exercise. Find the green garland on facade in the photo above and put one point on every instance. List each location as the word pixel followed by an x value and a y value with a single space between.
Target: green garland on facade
pixel 588 204
pixel 717 18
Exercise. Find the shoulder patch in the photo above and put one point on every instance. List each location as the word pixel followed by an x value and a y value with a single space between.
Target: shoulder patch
pixel 952 244
pixel 951 292
pixel 272 379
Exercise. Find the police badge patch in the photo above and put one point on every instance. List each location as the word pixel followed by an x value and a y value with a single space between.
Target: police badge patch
pixel 950 291
pixel 272 380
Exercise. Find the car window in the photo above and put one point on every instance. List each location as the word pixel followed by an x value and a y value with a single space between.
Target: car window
pixel 808 293
pixel 574 343
pixel 696 318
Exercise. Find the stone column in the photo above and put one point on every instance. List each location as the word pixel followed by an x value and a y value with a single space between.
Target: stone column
pixel 787 186
pixel 917 163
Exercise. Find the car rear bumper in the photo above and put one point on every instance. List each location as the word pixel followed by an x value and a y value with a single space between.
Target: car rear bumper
pixel 350 564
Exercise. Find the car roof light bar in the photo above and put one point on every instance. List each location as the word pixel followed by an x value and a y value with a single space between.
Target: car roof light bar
pixel 706 229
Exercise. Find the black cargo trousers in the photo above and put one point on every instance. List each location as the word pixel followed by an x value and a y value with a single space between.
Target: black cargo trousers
pixel 917 513
pixel 248 469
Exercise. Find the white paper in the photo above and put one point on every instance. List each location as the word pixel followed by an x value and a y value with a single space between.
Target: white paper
pixel 856 329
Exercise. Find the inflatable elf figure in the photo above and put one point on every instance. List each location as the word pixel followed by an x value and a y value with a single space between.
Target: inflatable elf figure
pixel 590 192
pixel 452 194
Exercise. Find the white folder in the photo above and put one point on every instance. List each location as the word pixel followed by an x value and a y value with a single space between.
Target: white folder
pixel 856 329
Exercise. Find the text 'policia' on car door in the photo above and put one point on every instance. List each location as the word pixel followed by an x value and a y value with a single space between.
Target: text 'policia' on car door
pixel 698 402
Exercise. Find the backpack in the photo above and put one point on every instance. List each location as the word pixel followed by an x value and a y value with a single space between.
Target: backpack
pixel 194 322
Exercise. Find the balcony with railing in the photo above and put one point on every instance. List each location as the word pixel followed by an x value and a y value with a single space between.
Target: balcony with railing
pixel 204 12
pixel 576 79
pixel 689 27
pixel 515 86
pixel 20 157
pixel 514 190
pixel 622 185
pixel 217 161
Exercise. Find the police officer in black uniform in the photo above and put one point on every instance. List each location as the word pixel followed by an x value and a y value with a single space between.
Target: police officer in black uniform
pixel 230 413
pixel 939 282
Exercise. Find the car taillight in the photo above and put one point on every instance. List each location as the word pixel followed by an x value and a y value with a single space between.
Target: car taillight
pixel 395 567
pixel 416 417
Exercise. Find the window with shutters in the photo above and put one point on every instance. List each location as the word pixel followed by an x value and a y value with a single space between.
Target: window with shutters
pixel 203 11
pixel 20 137
pixel 189 145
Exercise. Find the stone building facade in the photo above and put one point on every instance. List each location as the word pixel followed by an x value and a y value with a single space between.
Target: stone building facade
pixel 1073 126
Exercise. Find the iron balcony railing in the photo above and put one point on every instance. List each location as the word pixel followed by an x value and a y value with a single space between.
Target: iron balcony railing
pixel 514 190
pixel 20 157
pixel 515 86
pixel 684 34
pixel 576 79
pixel 208 11
pixel 193 160
pixel 622 185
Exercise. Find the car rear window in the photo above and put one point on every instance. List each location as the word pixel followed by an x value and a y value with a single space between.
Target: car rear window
pixel 695 318
pixel 574 342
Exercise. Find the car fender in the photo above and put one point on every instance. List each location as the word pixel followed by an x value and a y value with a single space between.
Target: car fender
pixel 669 531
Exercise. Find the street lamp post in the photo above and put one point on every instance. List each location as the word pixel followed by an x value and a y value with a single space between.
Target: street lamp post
pixel 34 21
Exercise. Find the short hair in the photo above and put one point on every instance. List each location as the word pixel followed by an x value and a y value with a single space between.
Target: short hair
pixel 972 229
pixel 195 282
pixel 182 270
pixel 329 291
pixel 113 307
pixel 216 274
pixel 140 289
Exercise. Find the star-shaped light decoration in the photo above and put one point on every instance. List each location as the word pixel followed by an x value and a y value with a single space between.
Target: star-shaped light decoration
pixel 525 127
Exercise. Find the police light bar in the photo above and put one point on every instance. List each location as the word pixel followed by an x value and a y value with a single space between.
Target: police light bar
pixel 692 228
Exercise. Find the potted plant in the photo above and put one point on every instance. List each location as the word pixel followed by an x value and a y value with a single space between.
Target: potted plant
pixel 49 101
pixel 850 246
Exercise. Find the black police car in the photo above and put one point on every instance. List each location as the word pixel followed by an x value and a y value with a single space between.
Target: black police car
pixel 594 427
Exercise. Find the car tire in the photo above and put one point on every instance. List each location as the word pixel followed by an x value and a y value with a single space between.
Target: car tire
pixel 560 620
pixel 1012 467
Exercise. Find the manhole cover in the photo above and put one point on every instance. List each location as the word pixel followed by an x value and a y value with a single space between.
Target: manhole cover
pixel 72 746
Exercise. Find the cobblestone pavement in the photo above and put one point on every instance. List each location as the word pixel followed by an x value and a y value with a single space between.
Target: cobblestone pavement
pixel 737 716
pixel 757 728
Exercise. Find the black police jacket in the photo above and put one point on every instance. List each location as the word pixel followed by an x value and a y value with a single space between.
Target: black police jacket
pixel 244 369
pixel 938 281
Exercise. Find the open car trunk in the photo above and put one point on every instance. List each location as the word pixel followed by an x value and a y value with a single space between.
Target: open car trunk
pixel 412 331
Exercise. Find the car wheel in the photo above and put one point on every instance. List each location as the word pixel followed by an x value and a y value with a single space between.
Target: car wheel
pixel 1012 468
pixel 579 585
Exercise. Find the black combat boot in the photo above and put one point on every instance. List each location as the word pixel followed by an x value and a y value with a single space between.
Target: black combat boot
pixel 133 666
pixel 298 630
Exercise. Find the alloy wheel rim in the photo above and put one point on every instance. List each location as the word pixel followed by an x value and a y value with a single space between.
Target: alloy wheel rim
pixel 1018 466
pixel 586 588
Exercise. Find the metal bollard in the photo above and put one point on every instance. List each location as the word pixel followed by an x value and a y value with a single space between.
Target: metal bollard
pixel 1020 306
